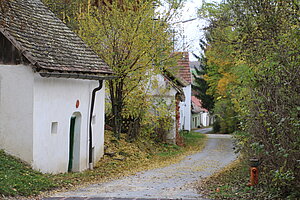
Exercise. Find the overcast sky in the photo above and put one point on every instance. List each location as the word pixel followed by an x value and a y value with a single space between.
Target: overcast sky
pixel 189 33
pixel 192 30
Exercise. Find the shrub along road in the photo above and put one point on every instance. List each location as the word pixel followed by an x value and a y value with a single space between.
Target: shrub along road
pixel 172 182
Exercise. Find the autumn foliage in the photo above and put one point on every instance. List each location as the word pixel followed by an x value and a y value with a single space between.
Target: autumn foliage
pixel 253 64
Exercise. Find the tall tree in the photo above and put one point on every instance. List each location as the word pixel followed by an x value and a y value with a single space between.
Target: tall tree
pixel 67 10
pixel 254 61
pixel 200 86
pixel 136 44
pixel 269 42
pixel 220 66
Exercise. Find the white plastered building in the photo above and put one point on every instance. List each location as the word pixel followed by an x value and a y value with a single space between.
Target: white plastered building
pixel 170 90
pixel 184 74
pixel 52 91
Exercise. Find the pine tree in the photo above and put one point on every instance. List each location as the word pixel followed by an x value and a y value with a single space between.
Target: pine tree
pixel 200 86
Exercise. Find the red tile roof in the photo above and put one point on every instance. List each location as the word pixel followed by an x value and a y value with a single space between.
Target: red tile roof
pixel 197 102
pixel 184 67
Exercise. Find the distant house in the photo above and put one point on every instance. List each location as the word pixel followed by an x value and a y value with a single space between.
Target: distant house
pixel 184 73
pixel 170 89
pixel 51 91
pixel 200 116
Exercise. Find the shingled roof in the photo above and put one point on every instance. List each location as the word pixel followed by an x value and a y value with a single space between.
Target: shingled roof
pixel 46 41
pixel 184 71
pixel 197 105
pixel 176 83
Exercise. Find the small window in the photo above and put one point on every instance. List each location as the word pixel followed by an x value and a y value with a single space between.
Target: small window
pixel 54 127
pixel 94 119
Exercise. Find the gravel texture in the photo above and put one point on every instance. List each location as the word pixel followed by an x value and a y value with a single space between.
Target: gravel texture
pixel 173 182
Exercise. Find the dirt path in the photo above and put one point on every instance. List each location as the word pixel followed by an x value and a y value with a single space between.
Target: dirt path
pixel 174 182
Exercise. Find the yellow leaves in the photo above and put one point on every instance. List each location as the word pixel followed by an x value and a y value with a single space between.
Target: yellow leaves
pixel 206 77
pixel 220 65
pixel 220 57
pixel 223 83
pixel 133 44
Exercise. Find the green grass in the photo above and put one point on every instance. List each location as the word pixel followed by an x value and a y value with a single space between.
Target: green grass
pixel 192 141
pixel 169 150
pixel 17 178
pixel 192 138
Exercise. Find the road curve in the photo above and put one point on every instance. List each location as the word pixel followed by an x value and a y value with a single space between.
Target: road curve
pixel 173 182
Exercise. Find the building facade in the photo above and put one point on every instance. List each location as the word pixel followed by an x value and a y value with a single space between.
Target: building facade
pixel 51 91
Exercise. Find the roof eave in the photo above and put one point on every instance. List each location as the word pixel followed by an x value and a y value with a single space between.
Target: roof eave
pixel 77 75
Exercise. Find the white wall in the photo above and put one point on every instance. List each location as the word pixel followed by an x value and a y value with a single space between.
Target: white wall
pixel 167 92
pixel 55 101
pixel 16 110
pixel 185 109
pixel 205 119
pixel 196 121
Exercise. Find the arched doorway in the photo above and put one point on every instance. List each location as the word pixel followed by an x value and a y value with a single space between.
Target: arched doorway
pixel 74 142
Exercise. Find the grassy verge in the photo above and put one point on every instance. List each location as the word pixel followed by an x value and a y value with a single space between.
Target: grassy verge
pixel 232 183
pixel 16 178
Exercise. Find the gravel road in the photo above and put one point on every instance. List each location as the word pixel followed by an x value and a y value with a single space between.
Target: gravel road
pixel 173 182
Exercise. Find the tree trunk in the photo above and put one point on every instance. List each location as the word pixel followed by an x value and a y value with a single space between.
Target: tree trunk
pixel 116 96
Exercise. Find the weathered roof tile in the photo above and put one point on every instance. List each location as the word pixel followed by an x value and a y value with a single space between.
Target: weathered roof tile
pixel 184 67
pixel 49 43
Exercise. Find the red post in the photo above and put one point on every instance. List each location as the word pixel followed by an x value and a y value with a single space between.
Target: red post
pixel 253 172
pixel 253 176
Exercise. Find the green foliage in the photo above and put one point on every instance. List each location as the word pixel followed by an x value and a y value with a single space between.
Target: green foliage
pixel 253 65
pixel 67 10
pixel 223 84
pixel 226 116
pixel 232 183
pixel 160 120
pixel 135 46
pixel 17 178
pixel 192 138
pixel 200 85
pixel 216 126
pixel 169 150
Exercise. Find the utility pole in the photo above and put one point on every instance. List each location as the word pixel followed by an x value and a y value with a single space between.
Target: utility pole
pixel 184 37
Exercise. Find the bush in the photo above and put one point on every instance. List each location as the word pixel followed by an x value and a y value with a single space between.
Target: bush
pixel 227 120
pixel 216 126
